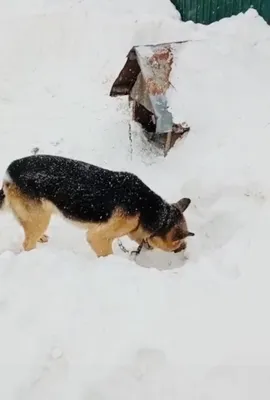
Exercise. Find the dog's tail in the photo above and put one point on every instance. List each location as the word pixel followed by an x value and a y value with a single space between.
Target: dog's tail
pixel 2 199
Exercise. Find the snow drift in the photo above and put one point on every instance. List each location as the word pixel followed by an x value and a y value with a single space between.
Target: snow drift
pixel 194 327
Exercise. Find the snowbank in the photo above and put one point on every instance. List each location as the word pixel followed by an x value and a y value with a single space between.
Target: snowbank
pixel 76 327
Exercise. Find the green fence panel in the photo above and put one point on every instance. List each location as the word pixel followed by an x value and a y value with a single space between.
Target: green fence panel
pixel 208 11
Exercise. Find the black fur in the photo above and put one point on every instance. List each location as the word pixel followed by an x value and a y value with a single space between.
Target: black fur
pixel 88 193
pixel 2 198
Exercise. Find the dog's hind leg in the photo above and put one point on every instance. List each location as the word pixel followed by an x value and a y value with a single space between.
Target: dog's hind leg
pixel 2 198
pixel 34 229
pixel 33 215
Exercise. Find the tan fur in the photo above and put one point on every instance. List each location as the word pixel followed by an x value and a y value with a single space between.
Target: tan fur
pixel 101 236
pixel 139 235
pixel 165 243
pixel 34 216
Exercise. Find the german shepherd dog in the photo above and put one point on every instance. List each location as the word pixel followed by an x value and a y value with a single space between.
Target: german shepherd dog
pixel 107 204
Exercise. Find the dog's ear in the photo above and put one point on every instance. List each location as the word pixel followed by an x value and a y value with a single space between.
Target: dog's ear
pixel 183 204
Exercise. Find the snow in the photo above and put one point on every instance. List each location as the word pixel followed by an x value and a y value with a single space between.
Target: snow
pixel 169 326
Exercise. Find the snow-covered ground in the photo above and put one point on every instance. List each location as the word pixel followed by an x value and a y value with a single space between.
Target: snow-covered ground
pixel 75 327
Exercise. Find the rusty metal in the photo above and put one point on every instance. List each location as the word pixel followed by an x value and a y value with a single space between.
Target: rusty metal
pixel 127 77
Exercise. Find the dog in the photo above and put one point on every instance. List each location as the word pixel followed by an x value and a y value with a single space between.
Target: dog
pixel 107 204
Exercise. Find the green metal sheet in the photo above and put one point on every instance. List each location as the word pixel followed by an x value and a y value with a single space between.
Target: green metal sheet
pixel 208 11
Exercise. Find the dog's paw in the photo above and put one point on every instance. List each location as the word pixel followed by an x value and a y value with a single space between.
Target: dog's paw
pixel 43 239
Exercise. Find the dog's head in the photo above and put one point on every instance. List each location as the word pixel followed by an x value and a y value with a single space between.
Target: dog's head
pixel 172 237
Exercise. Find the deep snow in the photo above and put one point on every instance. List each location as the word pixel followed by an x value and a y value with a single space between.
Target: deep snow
pixel 194 327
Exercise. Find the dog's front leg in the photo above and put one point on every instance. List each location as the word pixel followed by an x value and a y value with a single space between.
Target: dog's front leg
pixel 101 245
